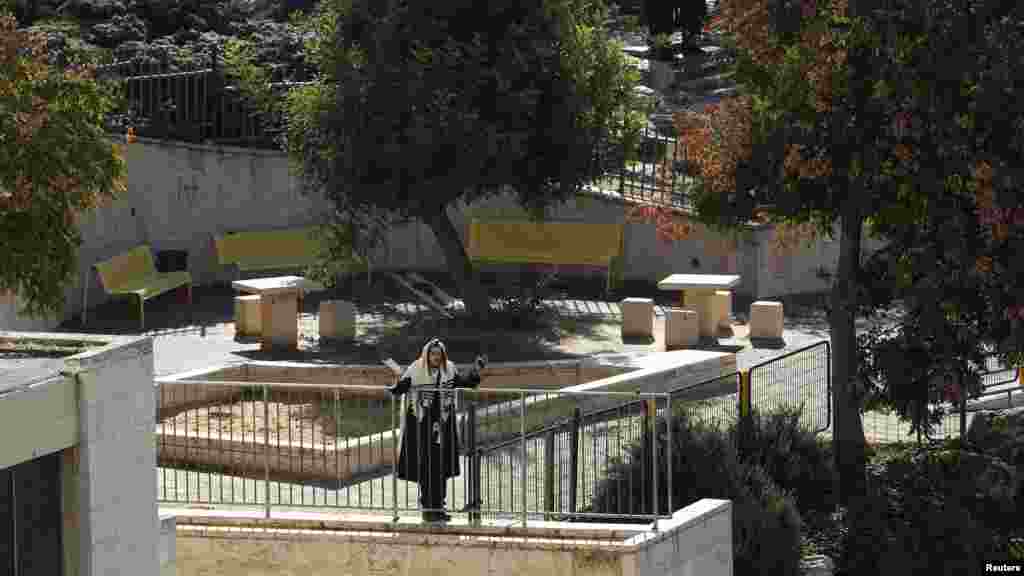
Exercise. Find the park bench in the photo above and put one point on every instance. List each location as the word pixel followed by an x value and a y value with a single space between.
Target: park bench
pixel 260 250
pixel 546 244
pixel 134 274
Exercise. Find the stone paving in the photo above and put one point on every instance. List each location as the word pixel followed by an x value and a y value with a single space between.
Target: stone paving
pixel 209 339
pixel 592 327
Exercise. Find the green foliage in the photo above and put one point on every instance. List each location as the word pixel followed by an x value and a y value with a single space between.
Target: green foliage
pixel 766 522
pixel 239 63
pixel 339 256
pixel 56 164
pixel 791 454
pixel 421 106
pixel 947 509
pixel 905 129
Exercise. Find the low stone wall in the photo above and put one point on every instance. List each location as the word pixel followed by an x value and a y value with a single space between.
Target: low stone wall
pixel 348 459
pixel 175 397
pixel 287 461
pixel 697 540
pixel 291 461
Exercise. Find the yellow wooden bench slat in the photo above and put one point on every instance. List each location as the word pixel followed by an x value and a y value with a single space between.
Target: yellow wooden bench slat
pixel 550 243
pixel 268 248
pixel 133 273
pixel 544 242
pixel 155 285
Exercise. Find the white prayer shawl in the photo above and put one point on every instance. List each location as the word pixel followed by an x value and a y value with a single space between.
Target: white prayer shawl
pixel 422 376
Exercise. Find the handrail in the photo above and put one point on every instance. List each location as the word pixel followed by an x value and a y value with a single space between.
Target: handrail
pixel 532 391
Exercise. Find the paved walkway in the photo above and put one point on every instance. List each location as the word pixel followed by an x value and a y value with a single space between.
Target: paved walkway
pixel 194 347
pixel 208 340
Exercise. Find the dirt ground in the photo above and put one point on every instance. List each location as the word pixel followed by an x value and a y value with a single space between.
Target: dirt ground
pixel 308 424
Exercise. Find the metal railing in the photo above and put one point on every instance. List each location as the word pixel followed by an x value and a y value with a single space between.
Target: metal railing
pixel 589 438
pixel 658 176
pixel 783 380
pixel 286 445
pixel 716 403
pixel 200 105
pixel 194 105
pixel 885 426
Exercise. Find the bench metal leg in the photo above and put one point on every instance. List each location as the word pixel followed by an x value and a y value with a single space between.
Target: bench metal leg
pixel 142 314
pixel 191 313
pixel 85 298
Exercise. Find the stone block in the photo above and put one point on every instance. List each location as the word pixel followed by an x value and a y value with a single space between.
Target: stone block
pixel 279 315
pixel 721 304
pixel 682 328
pixel 247 316
pixel 337 320
pixel 766 320
pixel 637 317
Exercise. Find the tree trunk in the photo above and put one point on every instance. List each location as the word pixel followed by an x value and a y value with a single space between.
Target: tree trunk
pixel 459 265
pixel 848 436
pixel 865 517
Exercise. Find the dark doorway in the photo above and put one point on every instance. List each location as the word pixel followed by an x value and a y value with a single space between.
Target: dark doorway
pixel 31 520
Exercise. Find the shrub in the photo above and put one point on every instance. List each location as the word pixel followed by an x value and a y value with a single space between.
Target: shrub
pixel 521 301
pixel 766 523
pixel 792 455
pixel 946 508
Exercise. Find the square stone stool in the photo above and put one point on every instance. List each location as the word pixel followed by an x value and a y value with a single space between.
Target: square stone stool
pixel 637 317
pixel 337 320
pixel 681 328
pixel 248 320
pixel 766 320
pixel 721 304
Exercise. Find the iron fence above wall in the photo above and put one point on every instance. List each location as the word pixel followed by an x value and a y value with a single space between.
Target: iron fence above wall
pixel 195 105
pixel 200 105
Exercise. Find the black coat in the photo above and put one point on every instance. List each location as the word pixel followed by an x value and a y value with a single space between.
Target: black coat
pixel 429 446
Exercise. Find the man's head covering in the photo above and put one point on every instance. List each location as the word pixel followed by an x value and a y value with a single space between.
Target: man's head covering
pixel 419 370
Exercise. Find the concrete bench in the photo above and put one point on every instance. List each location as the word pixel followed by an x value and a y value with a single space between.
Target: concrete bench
pixel 134 274
pixel 766 320
pixel 637 317
pixel 337 320
pixel 682 328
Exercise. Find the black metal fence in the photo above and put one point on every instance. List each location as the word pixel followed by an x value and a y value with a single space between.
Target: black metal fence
pixel 656 175
pixel 582 449
pixel 196 105
pixel 201 105
pixel 715 403
pixel 801 377
pixel 955 415
pixel 579 453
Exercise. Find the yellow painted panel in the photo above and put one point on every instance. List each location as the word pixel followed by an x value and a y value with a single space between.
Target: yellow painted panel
pixel 38 421
pixel 268 248
pixel 130 267
pixel 545 242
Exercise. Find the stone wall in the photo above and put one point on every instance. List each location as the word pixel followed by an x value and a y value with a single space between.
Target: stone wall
pixel 180 195
pixel 697 540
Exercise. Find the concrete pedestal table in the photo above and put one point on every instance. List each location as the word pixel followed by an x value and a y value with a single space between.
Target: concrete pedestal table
pixel 697 291
pixel 279 307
